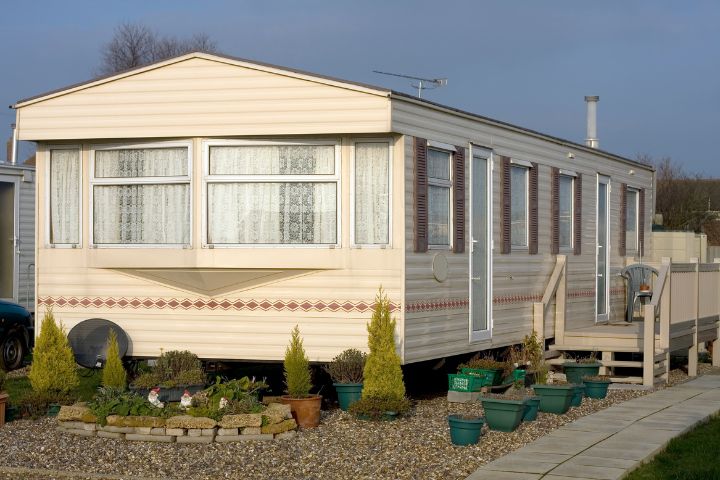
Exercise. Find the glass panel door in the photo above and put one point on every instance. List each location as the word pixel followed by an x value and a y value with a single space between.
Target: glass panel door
pixel 480 259
pixel 8 241
pixel 603 236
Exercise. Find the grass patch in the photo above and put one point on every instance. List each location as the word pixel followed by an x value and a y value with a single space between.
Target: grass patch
pixel 692 456
pixel 17 388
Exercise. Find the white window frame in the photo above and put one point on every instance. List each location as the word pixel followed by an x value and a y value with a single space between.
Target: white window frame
pixel 48 194
pixel 174 180
pixel 477 151
pixel 572 210
pixel 525 166
pixel 636 191
pixel 437 182
pixel 208 179
pixel 390 143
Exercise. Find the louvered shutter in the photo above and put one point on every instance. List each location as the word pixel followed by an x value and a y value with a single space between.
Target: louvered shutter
pixel 641 221
pixel 459 200
pixel 533 209
pixel 421 195
pixel 577 216
pixel 555 210
pixel 505 204
pixel 622 246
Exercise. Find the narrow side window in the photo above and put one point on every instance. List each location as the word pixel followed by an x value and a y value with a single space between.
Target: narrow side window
pixel 64 224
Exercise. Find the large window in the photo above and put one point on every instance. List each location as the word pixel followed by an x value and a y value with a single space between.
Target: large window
pixel 519 206
pixel 141 196
pixel 631 226
pixel 64 224
pixel 565 211
pixel 439 186
pixel 272 194
pixel 371 193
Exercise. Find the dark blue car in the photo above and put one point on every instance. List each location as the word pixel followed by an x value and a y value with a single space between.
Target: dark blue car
pixel 16 334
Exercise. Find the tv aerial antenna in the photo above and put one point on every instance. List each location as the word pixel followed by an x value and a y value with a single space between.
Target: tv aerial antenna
pixel 422 83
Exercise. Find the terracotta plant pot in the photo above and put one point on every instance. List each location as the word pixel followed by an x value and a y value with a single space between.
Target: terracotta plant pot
pixel 305 411
pixel 3 401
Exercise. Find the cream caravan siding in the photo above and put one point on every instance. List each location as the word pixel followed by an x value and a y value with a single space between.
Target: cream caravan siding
pixel 328 292
pixel 203 97
pixel 518 278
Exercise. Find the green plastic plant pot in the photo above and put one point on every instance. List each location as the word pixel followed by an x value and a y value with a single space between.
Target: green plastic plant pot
pixel 348 393
pixel 577 396
pixel 596 388
pixel 576 371
pixel 492 376
pixel 554 398
pixel 465 431
pixel 503 415
pixel 53 410
pixel 531 409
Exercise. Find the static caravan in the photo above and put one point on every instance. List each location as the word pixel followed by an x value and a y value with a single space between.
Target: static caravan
pixel 17 234
pixel 211 203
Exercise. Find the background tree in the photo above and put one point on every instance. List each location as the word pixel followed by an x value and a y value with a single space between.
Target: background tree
pixel 134 45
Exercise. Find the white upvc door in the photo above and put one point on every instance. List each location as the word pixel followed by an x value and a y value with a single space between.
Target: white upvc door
pixel 9 240
pixel 602 283
pixel 480 322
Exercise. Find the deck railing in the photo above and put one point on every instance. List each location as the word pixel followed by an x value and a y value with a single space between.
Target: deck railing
pixel 557 289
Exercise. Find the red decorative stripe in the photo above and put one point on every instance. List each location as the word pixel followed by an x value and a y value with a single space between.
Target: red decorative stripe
pixel 440 304
pixel 212 304
pixel 507 299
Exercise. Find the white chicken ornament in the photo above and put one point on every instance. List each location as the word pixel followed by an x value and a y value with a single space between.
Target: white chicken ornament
pixel 154 397
pixel 186 400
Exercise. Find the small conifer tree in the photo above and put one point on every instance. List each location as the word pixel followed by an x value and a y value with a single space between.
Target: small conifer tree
pixel 53 370
pixel 113 374
pixel 383 376
pixel 297 367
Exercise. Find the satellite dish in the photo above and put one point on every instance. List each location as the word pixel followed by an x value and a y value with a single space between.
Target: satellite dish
pixel 88 340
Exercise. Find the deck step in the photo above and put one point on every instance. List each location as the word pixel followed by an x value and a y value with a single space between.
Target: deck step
pixel 627 379
pixel 622 363
pixel 594 348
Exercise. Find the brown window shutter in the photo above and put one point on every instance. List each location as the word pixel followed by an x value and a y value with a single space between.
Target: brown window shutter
pixel 623 220
pixel 641 221
pixel 421 195
pixel 505 204
pixel 459 200
pixel 555 210
pixel 577 216
pixel 533 213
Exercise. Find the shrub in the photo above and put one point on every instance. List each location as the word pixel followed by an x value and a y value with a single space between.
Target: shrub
pixel 113 374
pixel 347 367
pixel 173 368
pixel 114 401
pixel 35 403
pixel 484 363
pixel 297 367
pixel 383 378
pixel 376 407
pixel 53 369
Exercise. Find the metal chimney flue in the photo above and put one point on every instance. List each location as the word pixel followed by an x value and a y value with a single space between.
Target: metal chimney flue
pixel 592 138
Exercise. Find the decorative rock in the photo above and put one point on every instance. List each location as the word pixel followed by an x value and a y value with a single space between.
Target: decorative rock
pixel 186 421
pixel 71 425
pixel 276 413
pixel 175 432
pixel 194 432
pixel 281 427
pixel 157 431
pixel 81 432
pixel 117 436
pixel 208 432
pixel 285 435
pixel 143 430
pixel 242 438
pixel 111 429
pixel 90 427
pixel 224 432
pixel 194 439
pixel 241 420
pixel 77 413
pixel 251 431
pixel 136 437
pixel 134 421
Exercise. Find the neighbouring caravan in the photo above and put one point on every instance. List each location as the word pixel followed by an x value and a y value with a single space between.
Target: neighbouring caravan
pixel 17 234
pixel 211 203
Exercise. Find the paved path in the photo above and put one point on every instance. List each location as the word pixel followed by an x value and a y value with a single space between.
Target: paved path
pixel 608 444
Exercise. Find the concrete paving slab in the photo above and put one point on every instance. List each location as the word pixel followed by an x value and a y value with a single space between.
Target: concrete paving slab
pixel 588 471
pixel 515 464
pixel 493 475
pixel 583 459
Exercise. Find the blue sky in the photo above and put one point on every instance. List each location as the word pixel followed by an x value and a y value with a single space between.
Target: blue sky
pixel 653 63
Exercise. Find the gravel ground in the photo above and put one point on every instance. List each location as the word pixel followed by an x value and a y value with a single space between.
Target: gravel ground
pixel 341 448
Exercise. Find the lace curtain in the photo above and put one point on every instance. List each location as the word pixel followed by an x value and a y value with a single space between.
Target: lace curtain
pixel 371 193
pixel 65 196
pixel 272 212
pixel 141 213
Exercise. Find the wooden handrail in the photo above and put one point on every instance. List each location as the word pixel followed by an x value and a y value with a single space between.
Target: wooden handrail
pixel 552 285
pixel 659 287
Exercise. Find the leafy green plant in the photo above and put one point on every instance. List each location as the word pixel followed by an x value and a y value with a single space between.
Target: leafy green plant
pixel 383 377
pixel 239 389
pixel 53 369
pixel 347 367
pixel 376 407
pixel 297 367
pixel 484 363
pixel 114 401
pixel 173 369
pixel 113 374
pixel 597 378
pixel 35 403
